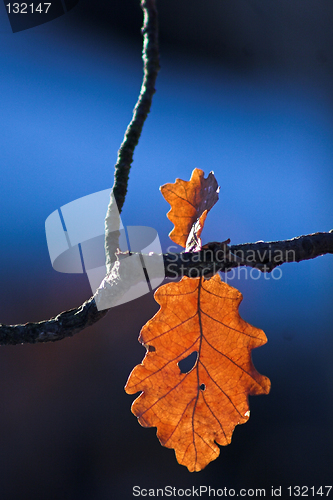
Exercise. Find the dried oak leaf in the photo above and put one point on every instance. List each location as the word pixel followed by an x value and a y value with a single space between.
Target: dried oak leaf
pixel 189 200
pixel 197 410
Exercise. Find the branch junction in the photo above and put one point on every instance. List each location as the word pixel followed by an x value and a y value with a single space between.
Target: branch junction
pixel 212 258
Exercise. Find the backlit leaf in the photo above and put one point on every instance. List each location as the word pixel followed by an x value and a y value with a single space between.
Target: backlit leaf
pixel 197 409
pixel 189 200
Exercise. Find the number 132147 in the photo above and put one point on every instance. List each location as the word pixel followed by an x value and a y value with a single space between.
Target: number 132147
pixel 24 8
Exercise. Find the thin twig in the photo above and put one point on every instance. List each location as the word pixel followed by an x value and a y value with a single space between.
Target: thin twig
pixel 151 66
pixel 150 56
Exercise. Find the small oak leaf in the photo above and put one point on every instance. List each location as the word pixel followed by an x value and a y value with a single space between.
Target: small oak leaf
pixel 189 200
pixel 197 410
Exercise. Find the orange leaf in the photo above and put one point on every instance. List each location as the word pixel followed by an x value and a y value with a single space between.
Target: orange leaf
pixel 195 410
pixel 189 200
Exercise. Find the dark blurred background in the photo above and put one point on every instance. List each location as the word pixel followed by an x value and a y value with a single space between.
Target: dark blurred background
pixel 245 90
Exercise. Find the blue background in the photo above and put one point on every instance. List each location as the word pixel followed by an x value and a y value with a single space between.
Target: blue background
pixel 66 430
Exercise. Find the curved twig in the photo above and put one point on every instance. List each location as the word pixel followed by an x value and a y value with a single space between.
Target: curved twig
pixel 151 66
pixel 150 56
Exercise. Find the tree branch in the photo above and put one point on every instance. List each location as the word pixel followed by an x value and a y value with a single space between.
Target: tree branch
pixel 261 255
pixel 66 324
pixel 212 258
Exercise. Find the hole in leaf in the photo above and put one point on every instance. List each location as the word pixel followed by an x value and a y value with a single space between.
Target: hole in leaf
pixel 187 364
pixel 150 348
pixel 203 387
